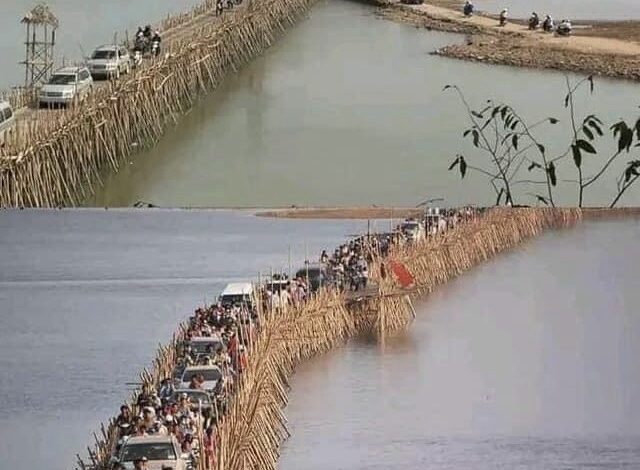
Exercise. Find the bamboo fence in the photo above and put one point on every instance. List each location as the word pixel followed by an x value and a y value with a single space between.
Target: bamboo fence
pixel 58 161
pixel 249 435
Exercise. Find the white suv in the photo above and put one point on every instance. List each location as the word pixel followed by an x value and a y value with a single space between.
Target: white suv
pixel 109 61
pixel 7 122
pixel 65 86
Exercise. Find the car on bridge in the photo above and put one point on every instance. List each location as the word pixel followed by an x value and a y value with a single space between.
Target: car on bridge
pixel 109 61
pixel 160 452
pixel 212 377
pixel 7 121
pixel 66 85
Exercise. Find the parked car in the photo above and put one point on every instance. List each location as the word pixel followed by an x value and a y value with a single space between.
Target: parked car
pixel 65 86
pixel 212 376
pixel 109 62
pixel 160 451
pixel 237 293
pixel 7 121
pixel 205 344
pixel 413 230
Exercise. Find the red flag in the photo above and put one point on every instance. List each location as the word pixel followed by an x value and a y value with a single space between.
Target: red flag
pixel 405 278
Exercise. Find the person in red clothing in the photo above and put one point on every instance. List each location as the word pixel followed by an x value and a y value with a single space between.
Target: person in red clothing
pixel 209 443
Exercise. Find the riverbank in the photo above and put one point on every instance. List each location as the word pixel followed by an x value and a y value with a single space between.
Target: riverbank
pixel 604 48
pixel 358 213
pixel 57 161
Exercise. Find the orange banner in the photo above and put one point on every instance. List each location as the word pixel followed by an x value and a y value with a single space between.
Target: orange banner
pixel 405 278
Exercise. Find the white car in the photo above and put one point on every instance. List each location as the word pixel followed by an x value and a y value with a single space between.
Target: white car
pixel 65 86
pixel 160 452
pixel 109 61
pixel 7 121
pixel 413 230
pixel 237 293
pixel 212 375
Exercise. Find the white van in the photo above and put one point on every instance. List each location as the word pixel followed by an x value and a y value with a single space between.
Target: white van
pixel 237 293
pixel 7 121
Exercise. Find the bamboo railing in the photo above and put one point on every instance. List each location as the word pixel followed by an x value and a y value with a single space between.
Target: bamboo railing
pixel 58 161
pixel 251 432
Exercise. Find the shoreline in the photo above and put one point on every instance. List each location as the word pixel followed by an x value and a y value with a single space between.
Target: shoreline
pixel 600 47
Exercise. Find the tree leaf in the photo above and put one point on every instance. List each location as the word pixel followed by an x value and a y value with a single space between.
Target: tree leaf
pixel 626 138
pixel 447 87
pixel 463 166
pixel 476 137
pixel 553 120
pixel 466 133
pixel 596 127
pixel 590 78
pixel 542 199
pixel 577 156
pixel 566 100
pixel 503 112
pixel 514 141
pixel 500 194
pixel 534 165
pixel 514 125
pixel 588 132
pixel 586 146
pixel 477 114
pixel 454 163
pixel 541 148
pixel 551 171
pixel 495 112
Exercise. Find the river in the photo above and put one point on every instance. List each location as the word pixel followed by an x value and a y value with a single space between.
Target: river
pixel 529 362
pixel 492 374
pixel 349 109
pixel 86 296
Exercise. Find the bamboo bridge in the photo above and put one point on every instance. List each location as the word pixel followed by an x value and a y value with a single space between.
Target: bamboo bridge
pixel 254 426
pixel 57 158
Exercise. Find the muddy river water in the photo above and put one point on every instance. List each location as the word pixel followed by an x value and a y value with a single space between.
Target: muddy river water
pixel 528 362
pixel 348 109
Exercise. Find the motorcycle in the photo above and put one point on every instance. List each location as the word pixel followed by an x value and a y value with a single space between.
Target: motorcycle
pixel 534 23
pixel 503 18
pixel 547 25
pixel 468 9
pixel 564 29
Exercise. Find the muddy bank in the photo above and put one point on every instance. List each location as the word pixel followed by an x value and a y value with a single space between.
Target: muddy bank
pixel 600 48
pixel 344 213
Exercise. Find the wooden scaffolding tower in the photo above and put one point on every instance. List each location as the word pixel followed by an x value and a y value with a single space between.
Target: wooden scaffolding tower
pixel 41 25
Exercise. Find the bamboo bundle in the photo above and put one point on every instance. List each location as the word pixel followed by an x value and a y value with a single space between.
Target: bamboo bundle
pixel 57 160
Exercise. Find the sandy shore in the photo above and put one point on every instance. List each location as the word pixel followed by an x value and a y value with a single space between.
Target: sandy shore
pixel 609 49
pixel 364 213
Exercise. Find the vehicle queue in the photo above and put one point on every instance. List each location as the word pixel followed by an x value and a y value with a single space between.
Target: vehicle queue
pixel 173 426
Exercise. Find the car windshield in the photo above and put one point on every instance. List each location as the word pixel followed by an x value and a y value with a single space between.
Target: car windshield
pixel 200 347
pixel 103 55
pixel 208 374
pixel 229 299
pixel 150 450
pixel 62 79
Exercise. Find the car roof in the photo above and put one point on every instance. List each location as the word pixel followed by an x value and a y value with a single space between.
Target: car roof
pixel 107 47
pixel 206 339
pixel 238 288
pixel 148 440
pixel 190 368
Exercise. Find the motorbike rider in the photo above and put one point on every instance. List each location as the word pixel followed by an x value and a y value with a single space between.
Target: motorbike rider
pixel 534 21
pixel 219 7
pixel 564 28
pixel 547 24
pixel 503 17
pixel 468 8
pixel 147 32
pixel 156 40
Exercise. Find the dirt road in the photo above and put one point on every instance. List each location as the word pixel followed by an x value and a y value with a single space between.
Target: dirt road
pixel 601 48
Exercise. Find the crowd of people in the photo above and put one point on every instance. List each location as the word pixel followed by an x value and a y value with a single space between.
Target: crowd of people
pixel 227 330
pixel 564 28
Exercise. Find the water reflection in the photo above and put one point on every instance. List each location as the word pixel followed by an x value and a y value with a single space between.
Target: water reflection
pixel 347 109
pixel 526 362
